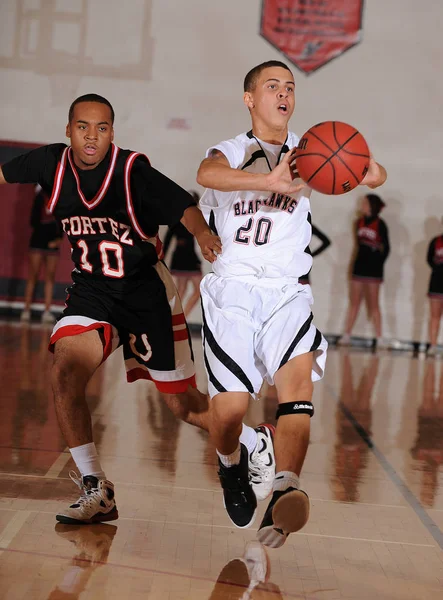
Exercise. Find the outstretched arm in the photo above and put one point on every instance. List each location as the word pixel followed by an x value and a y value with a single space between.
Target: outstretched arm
pixel 2 177
pixel 216 173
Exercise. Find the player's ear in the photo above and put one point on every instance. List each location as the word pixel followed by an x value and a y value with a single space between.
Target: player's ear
pixel 112 135
pixel 68 130
pixel 248 100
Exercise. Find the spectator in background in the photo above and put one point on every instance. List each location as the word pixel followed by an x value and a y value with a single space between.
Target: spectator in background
pixel 435 291
pixel 372 240
pixel 185 264
pixel 44 248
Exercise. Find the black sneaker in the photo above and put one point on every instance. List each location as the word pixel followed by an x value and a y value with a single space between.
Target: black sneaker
pixel 287 512
pixel 238 496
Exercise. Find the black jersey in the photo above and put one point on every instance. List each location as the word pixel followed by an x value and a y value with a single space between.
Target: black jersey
pixel 111 214
pixel 435 261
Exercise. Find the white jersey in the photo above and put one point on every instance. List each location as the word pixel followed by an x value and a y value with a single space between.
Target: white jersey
pixel 263 234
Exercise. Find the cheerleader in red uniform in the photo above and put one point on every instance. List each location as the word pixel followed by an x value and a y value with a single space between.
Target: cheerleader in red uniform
pixel 435 292
pixel 44 249
pixel 372 239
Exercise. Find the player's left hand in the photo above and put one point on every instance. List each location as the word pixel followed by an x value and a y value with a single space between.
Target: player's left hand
pixel 375 176
pixel 210 245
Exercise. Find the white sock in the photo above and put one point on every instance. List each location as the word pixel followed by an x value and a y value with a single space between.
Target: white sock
pixel 248 438
pixel 229 460
pixel 285 479
pixel 87 461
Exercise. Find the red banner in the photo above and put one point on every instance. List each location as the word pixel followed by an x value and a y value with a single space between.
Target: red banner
pixel 311 33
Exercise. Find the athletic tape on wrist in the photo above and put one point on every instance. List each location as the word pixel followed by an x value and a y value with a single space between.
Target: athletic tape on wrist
pixel 295 408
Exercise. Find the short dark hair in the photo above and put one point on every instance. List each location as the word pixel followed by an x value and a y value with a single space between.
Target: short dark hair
pixel 376 204
pixel 90 98
pixel 254 74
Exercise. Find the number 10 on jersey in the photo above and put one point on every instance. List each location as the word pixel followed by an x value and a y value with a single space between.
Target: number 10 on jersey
pixel 105 248
pixel 259 230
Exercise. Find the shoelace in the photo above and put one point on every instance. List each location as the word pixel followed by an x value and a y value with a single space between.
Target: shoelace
pixel 255 473
pixel 85 498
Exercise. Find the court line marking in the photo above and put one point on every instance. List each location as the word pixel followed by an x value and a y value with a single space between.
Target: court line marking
pixel 12 528
pixel 214 526
pixel 390 471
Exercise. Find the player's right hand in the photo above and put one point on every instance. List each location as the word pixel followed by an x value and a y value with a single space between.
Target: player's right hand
pixel 210 245
pixel 283 179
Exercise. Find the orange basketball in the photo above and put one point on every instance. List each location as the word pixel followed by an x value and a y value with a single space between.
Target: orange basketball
pixel 332 157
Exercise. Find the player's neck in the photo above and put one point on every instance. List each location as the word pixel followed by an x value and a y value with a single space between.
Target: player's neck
pixel 270 135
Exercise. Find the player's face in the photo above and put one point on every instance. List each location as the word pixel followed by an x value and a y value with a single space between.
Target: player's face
pixel 365 207
pixel 273 99
pixel 91 133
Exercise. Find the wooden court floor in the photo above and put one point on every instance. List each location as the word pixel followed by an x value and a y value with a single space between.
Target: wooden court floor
pixel 372 471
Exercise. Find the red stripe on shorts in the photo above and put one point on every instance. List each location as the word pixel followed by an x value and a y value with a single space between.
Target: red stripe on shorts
pixel 167 387
pixel 71 330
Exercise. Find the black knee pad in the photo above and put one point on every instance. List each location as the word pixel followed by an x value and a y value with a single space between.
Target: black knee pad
pixel 295 408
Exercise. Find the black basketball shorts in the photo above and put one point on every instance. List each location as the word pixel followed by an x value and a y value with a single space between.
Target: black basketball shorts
pixel 144 316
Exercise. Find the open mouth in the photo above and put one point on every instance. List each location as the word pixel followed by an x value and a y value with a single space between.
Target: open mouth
pixel 283 109
pixel 90 150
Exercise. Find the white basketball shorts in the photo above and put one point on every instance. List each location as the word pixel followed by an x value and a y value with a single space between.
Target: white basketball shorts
pixel 251 328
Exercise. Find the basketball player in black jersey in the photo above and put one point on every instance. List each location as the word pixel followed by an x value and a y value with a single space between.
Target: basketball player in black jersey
pixel 110 203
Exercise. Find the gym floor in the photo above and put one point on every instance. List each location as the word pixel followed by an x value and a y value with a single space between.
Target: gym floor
pixel 372 472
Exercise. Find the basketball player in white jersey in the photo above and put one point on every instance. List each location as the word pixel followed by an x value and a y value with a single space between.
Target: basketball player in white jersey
pixel 257 319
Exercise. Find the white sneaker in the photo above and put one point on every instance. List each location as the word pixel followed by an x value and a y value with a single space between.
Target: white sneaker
pixel 383 344
pixel 25 317
pixel 345 340
pixel 262 462
pixel 433 351
pixel 96 504
pixel 48 317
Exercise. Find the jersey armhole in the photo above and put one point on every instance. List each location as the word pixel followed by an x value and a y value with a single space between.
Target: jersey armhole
pixel 130 205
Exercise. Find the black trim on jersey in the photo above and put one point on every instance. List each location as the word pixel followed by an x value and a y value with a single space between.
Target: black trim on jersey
pixel 301 333
pixel 262 154
pixel 308 249
pixel 255 156
pixel 212 222
pixel 224 358
pixel 317 342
